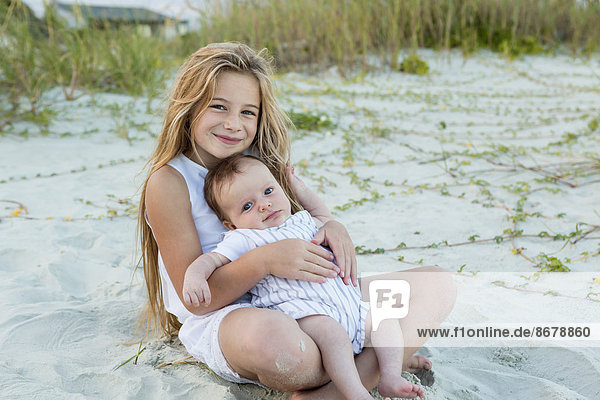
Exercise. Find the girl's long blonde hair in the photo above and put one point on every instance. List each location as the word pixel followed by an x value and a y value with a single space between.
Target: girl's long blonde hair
pixel 190 97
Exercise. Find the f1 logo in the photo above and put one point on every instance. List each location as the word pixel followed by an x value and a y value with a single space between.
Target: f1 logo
pixel 389 300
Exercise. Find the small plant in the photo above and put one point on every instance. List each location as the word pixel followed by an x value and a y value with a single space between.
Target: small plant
pixel 551 264
pixel 135 357
pixel 520 46
pixel 413 64
pixel 310 121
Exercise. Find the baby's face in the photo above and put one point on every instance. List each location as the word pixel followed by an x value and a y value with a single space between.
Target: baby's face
pixel 254 199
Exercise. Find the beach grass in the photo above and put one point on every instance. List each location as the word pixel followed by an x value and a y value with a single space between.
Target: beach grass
pixel 368 34
pixel 39 54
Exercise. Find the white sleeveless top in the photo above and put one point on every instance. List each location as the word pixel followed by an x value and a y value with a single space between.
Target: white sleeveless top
pixel 210 229
pixel 199 333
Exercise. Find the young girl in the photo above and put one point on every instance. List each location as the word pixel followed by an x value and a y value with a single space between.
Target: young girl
pixel 252 205
pixel 222 104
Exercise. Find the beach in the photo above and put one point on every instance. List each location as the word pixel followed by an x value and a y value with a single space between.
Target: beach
pixel 486 167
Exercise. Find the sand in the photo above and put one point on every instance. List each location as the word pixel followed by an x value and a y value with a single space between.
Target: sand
pixel 422 161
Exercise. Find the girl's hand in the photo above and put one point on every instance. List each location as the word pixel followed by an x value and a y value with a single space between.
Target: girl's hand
pixel 334 235
pixel 298 259
pixel 196 290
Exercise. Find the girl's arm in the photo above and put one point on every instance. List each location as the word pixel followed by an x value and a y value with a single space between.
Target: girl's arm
pixel 169 213
pixel 288 258
pixel 309 200
pixel 332 234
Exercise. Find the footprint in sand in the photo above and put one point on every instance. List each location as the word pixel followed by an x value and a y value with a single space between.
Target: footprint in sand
pixel 84 240
pixel 509 357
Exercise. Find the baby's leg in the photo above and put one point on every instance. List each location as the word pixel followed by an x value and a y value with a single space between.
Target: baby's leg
pixel 389 348
pixel 336 353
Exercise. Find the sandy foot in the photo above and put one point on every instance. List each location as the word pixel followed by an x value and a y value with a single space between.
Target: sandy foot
pixel 420 366
pixel 392 385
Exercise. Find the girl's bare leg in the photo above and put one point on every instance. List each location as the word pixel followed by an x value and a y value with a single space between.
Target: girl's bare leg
pixel 432 297
pixel 366 365
pixel 270 347
pixel 433 293
pixel 337 355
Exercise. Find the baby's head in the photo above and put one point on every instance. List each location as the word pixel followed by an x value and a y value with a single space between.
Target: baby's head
pixel 244 194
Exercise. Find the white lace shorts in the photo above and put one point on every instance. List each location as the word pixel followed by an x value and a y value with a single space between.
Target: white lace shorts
pixel 200 336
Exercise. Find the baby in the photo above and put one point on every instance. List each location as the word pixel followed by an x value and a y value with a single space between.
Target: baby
pixel 253 206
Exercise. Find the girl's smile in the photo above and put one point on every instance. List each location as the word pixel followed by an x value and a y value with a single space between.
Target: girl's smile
pixel 228 140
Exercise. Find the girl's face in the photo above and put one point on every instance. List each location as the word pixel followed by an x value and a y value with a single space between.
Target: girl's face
pixel 229 124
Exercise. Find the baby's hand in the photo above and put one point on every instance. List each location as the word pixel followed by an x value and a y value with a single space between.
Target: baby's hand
pixel 297 184
pixel 196 290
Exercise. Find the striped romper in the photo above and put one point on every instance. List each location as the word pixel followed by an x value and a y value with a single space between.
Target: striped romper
pixel 298 298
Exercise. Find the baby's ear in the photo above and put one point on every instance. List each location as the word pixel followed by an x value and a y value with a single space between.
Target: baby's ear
pixel 229 225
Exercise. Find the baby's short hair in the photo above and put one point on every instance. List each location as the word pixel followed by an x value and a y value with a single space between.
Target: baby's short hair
pixel 220 175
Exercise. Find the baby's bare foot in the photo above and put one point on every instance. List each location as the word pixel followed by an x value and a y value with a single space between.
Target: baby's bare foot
pixel 392 385
pixel 416 363
pixel 421 367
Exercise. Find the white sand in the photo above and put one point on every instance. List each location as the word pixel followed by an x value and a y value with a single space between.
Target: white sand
pixel 67 283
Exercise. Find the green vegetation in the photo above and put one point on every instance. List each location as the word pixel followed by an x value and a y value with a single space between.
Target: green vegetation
pixel 551 264
pixel 519 168
pixel 39 55
pixel 346 33
pixel 310 121
pixel 414 65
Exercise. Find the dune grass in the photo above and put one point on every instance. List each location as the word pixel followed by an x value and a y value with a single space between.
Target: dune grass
pixel 346 33
pixel 37 55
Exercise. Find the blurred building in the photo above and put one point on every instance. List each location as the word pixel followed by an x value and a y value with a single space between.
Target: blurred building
pixel 151 18
pixel 147 21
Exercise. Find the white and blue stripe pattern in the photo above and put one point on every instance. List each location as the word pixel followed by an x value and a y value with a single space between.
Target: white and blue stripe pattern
pixel 299 298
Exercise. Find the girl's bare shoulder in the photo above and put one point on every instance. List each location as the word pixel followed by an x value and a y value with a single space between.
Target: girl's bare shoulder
pixel 166 187
pixel 166 178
